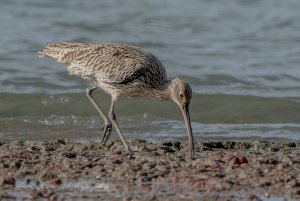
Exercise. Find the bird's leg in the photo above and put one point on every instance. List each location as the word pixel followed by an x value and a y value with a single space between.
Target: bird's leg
pixel 112 117
pixel 106 128
pixel 107 124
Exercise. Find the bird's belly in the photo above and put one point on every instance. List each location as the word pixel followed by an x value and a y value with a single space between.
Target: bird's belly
pixel 128 90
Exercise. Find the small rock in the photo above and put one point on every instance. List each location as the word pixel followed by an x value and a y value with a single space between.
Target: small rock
pixel 55 181
pixel 35 148
pixel 28 181
pixel 243 159
pixel 160 152
pixel 168 144
pixel 52 198
pixel 151 147
pixel 138 141
pixel 1 181
pixel 117 161
pixel 117 151
pixel 175 144
pixel 254 198
pixel 145 179
pixel 279 167
pixel 149 165
pixel 234 161
pixel 47 176
pixel 63 141
pixel 237 160
pixel 273 149
pixel 271 160
pixel 49 147
pixel 34 194
pixel 168 149
pixel 291 183
pixel 200 184
pixel 9 180
pixel 42 192
pixel 264 183
pixel 210 189
pixel 70 154
pixel 229 145
pixel 296 192
pixel 286 161
pixel 214 145
pixel 267 194
pixel 18 164
pixel 291 144
pixel 90 165
pixel 5 165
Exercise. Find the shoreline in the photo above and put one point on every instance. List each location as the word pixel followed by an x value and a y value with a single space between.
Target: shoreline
pixel 221 170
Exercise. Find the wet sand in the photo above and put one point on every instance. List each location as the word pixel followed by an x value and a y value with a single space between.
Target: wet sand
pixel 63 170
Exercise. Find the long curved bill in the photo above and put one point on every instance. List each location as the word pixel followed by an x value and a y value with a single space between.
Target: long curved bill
pixel 186 116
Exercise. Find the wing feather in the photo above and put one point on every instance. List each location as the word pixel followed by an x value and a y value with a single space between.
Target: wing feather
pixel 106 62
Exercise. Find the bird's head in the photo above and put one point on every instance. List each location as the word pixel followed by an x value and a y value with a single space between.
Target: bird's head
pixel 181 94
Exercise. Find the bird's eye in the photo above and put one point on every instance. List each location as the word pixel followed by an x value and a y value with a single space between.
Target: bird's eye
pixel 181 95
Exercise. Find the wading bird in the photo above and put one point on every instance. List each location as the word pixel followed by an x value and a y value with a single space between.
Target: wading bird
pixel 122 70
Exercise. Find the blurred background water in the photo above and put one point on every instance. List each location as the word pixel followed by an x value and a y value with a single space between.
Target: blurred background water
pixel 241 57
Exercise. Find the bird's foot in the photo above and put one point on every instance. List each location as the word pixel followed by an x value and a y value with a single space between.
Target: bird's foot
pixel 129 152
pixel 106 128
pixel 112 116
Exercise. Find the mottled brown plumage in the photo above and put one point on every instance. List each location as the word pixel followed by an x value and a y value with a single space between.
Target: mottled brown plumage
pixel 121 70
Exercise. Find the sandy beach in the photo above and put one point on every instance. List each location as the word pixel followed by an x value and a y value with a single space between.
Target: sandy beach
pixel 63 170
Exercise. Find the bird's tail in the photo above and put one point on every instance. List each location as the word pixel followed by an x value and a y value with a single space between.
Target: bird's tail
pixel 69 54
pixel 58 50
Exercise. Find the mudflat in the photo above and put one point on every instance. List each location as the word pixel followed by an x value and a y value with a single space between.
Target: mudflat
pixel 221 170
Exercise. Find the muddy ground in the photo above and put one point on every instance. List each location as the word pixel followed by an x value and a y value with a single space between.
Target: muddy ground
pixel 63 170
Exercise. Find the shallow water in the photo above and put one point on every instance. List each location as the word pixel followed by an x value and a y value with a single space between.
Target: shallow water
pixel 241 58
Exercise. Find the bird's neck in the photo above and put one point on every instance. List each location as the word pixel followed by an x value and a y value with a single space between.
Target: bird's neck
pixel 162 92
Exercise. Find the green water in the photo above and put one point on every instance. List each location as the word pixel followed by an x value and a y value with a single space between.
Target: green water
pixel 41 116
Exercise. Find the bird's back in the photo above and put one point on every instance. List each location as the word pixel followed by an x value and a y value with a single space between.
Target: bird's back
pixel 111 63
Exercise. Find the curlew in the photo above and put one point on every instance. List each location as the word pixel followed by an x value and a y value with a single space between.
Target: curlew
pixel 122 70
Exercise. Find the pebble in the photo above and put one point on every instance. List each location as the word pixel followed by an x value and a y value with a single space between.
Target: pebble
pixel 70 154
pixel 279 167
pixel 200 184
pixel 217 170
pixel 55 181
pixel 9 180
pixel 18 164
